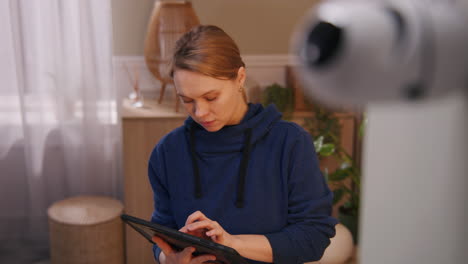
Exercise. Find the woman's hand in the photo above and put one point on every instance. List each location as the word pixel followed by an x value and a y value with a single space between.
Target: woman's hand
pixel 199 225
pixel 179 257
pixel 255 247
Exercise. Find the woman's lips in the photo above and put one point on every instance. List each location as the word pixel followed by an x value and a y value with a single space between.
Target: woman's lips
pixel 207 123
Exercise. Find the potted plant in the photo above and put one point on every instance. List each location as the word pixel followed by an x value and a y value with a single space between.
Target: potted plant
pixel 345 179
pixel 282 97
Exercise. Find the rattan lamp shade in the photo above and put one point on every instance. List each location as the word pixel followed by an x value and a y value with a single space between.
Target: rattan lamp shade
pixel 86 230
pixel 169 20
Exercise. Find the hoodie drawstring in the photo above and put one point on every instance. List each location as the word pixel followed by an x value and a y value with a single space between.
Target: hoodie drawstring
pixel 242 169
pixel 196 171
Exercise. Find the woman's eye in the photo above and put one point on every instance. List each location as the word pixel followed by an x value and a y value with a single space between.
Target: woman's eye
pixel 187 101
pixel 211 99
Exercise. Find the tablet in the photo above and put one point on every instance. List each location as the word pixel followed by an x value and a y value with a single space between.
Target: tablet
pixel 179 240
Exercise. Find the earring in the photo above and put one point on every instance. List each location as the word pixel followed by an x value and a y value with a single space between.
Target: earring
pixel 240 89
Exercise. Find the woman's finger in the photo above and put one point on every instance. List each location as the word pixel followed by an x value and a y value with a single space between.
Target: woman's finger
pixel 186 254
pixel 163 245
pixel 196 216
pixel 207 224
pixel 202 259
pixel 214 232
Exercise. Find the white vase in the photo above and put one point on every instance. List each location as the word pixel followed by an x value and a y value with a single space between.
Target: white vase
pixel 340 249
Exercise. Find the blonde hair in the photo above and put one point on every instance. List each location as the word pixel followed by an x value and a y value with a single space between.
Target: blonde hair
pixel 208 50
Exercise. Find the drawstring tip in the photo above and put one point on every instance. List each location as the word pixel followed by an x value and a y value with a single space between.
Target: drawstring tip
pixel 239 204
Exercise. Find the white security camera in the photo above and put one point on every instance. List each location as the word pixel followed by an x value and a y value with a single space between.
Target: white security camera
pixel 355 52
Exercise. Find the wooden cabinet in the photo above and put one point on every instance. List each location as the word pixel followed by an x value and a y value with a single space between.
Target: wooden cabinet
pixel 142 129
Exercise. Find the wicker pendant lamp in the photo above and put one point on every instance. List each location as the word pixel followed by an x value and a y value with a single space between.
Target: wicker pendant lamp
pixel 169 21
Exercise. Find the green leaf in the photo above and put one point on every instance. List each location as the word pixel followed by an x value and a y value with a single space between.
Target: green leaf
pixel 281 96
pixel 337 195
pixel 349 205
pixel 327 149
pixel 325 174
pixel 318 143
pixel 339 174
pixel 344 165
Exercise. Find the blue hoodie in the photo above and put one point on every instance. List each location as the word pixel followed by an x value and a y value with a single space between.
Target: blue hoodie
pixel 258 177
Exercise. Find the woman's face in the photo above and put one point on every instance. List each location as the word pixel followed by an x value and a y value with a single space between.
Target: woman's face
pixel 211 102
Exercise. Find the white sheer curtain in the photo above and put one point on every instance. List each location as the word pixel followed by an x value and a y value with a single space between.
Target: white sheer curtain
pixel 59 134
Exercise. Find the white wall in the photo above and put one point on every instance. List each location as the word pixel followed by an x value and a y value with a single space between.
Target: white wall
pixel 258 26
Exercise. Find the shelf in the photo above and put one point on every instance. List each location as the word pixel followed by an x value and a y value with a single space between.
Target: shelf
pixel 151 109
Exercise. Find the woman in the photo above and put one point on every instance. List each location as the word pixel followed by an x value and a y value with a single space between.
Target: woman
pixel 235 172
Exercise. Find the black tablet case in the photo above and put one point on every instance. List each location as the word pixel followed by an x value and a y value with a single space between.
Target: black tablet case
pixel 179 240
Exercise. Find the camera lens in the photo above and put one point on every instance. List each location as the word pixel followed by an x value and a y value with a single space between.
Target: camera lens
pixel 323 43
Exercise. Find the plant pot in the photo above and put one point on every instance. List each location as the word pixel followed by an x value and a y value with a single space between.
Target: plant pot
pixel 350 221
pixel 340 249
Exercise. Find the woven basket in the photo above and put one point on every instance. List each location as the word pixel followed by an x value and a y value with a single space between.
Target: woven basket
pixel 86 230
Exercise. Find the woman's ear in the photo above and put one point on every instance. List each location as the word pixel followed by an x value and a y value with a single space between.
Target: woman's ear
pixel 241 75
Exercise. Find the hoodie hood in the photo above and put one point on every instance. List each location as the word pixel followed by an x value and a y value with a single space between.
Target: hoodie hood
pixel 232 138
pixel 241 137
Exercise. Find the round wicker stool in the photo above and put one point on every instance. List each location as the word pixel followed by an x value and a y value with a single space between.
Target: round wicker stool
pixel 86 230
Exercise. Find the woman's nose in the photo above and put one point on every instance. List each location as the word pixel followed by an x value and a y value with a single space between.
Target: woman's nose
pixel 200 110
